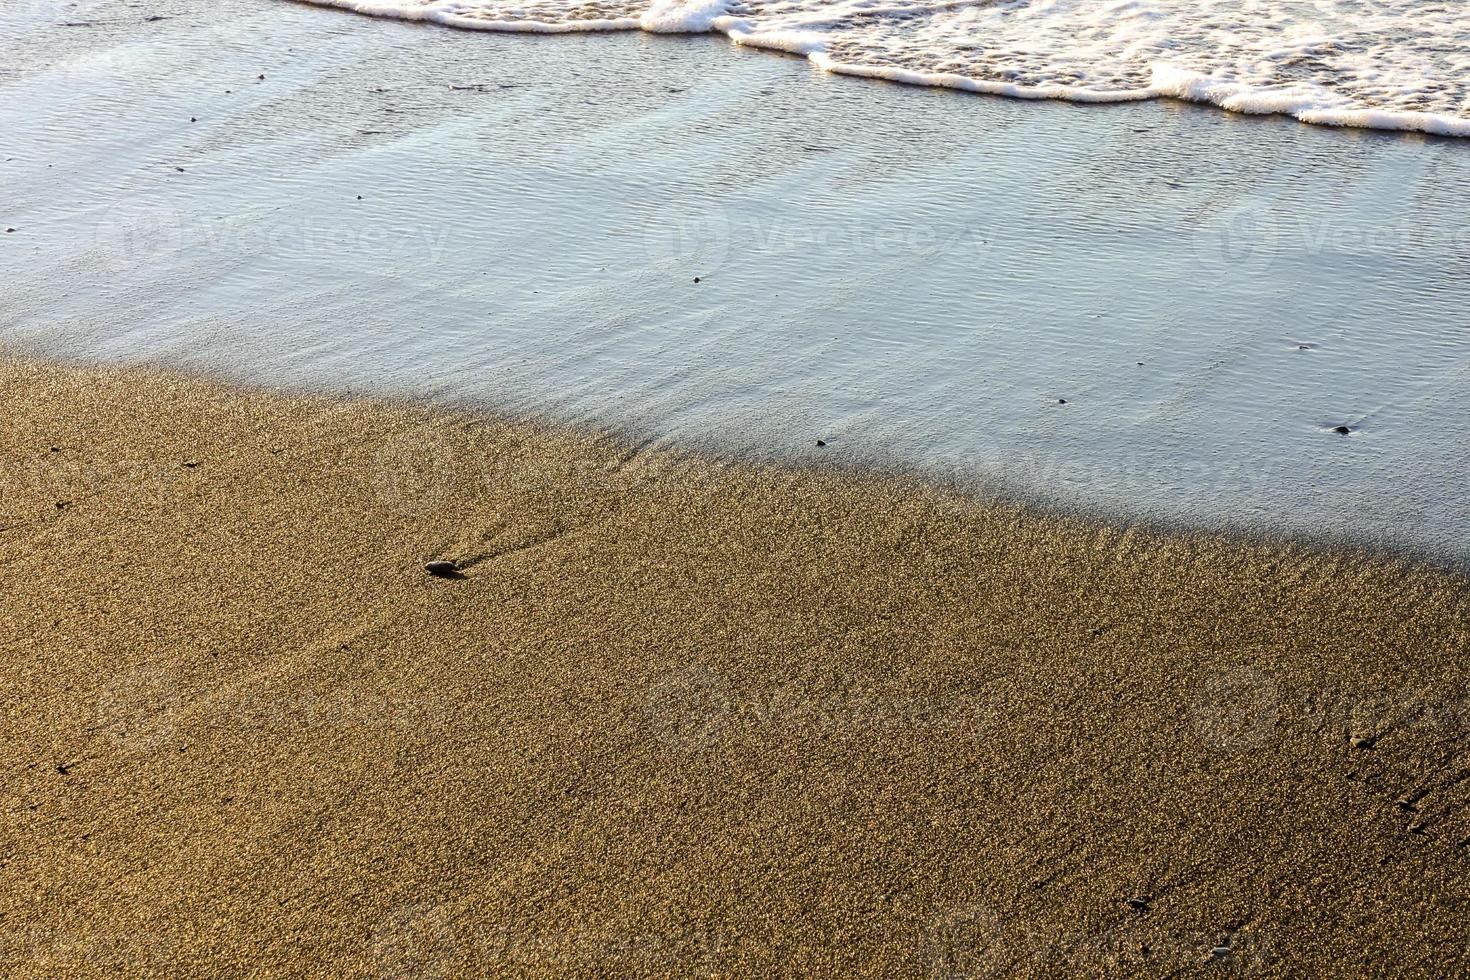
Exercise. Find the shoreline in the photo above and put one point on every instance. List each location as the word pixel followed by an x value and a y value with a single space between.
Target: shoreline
pixel 1179 85
pixel 886 471
pixel 906 316
pixel 680 711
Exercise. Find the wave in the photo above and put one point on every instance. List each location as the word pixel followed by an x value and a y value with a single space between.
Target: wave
pixel 1374 64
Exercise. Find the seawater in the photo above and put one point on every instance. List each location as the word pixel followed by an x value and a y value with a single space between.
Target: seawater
pixel 1382 64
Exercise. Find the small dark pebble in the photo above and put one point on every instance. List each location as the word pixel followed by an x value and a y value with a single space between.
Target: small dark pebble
pixel 442 569
pixel 260 77
pixel 1138 904
pixel 1061 401
pixel 696 279
pixel 63 768
pixel 1341 430
pixel 179 169
pixel 63 504
pixel 359 197
pixel 821 442
pixel 9 231
pixel 193 119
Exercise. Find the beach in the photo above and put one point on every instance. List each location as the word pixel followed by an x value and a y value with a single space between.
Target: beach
pixel 529 500
pixel 681 715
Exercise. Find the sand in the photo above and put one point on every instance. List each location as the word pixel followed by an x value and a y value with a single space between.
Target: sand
pixel 681 716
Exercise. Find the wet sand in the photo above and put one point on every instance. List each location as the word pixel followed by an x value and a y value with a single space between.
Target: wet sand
pixel 680 716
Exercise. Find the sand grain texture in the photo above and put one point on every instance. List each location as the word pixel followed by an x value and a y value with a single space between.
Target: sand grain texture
pixel 681 717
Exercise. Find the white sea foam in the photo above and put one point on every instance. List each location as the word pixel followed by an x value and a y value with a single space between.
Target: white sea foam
pixel 1382 64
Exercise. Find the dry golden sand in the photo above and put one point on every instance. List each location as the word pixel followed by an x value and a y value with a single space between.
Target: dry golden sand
pixel 681 717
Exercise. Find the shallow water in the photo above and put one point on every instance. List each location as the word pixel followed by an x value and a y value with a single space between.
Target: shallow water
pixel 914 276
